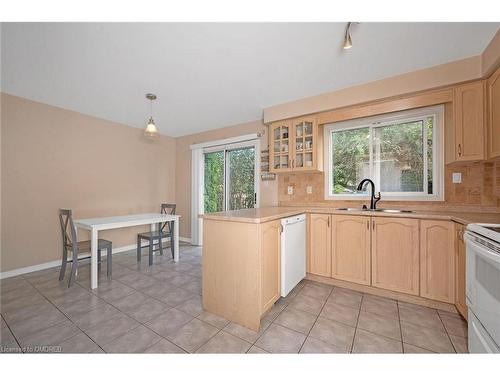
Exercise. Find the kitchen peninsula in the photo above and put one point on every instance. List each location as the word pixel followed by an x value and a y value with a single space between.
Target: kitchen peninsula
pixel 411 256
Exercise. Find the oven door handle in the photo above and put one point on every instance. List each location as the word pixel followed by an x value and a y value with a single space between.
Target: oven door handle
pixel 481 249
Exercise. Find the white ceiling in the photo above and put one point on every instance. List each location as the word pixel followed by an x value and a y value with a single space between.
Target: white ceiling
pixel 212 75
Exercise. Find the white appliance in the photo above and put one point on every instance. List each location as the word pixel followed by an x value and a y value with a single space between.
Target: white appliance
pixel 483 287
pixel 293 252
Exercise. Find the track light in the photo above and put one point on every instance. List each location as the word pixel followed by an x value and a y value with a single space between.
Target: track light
pixel 347 37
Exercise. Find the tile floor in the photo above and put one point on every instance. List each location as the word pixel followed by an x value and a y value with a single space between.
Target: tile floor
pixel 158 310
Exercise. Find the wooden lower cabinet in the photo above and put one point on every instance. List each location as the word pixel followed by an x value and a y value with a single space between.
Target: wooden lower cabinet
pixel 395 254
pixel 241 269
pixel 270 234
pixel 319 243
pixel 494 114
pixel 437 260
pixel 351 248
pixel 460 270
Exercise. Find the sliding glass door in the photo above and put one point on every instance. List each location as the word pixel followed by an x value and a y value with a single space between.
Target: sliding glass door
pixel 229 177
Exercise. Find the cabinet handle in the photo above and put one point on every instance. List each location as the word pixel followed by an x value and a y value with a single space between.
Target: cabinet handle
pixel 328 220
pixel 373 226
pixel 368 224
pixel 293 163
pixel 459 149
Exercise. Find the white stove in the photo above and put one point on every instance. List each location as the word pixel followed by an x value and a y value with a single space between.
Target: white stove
pixel 483 287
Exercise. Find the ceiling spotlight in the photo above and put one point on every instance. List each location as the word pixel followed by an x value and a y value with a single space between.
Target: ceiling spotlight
pixel 347 37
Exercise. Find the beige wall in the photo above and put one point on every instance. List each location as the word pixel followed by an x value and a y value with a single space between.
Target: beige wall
pixel 54 158
pixel 268 189
pixel 490 59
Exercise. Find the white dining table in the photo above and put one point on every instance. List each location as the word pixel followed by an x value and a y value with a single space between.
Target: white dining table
pixel 97 224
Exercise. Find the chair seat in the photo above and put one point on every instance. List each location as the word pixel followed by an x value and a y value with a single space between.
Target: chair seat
pixel 154 235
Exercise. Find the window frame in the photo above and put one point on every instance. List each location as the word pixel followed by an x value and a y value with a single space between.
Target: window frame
pixel 374 122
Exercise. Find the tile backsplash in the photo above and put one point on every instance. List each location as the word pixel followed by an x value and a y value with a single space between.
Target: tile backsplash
pixel 478 191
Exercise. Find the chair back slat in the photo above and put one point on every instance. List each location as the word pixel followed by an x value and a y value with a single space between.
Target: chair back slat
pixel 167 209
pixel 68 228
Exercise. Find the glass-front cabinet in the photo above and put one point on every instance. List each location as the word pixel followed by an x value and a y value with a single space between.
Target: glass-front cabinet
pixel 295 145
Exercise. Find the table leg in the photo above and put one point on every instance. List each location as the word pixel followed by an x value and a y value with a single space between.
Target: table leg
pixel 153 229
pixel 93 258
pixel 176 240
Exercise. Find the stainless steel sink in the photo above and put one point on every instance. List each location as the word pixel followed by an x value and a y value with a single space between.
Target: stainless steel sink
pixel 376 210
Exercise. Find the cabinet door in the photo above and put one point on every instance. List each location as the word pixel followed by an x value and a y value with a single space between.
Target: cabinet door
pixel 305 140
pixel 280 147
pixel 494 114
pixel 320 249
pixel 469 117
pixel 395 254
pixel 437 260
pixel 270 263
pixel 460 271
pixel 351 248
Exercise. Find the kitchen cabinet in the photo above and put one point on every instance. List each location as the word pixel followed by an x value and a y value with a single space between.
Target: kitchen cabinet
pixel 351 248
pixel 319 245
pixel 494 114
pixel 460 270
pixel 270 263
pixel 469 115
pixel 437 260
pixel 395 254
pixel 295 145
pixel 280 147
pixel 241 269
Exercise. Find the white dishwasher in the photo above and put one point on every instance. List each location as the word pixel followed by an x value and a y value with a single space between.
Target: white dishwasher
pixel 293 252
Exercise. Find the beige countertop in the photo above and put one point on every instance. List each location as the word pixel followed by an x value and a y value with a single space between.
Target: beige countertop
pixel 265 214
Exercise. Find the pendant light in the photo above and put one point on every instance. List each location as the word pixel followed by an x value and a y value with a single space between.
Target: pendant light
pixel 151 130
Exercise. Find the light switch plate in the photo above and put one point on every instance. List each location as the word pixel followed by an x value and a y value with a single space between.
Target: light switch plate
pixel 457 178
pixel 290 190
pixel 309 190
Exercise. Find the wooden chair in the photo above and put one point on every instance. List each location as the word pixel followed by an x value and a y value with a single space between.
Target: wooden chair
pixel 70 243
pixel 166 230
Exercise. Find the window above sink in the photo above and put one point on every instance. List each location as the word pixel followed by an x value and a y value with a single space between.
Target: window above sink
pixel 401 152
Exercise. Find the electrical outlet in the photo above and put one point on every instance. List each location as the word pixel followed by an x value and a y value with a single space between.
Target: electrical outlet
pixel 309 190
pixel 290 190
pixel 457 178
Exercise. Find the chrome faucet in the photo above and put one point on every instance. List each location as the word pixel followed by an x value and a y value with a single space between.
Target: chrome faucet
pixel 374 199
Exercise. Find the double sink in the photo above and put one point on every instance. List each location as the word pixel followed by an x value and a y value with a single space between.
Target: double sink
pixel 376 210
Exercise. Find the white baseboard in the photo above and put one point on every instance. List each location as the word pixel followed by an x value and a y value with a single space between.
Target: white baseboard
pixel 55 263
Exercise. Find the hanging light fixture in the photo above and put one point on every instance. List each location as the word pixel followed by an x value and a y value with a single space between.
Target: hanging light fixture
pixel 151 130
pixel 347 37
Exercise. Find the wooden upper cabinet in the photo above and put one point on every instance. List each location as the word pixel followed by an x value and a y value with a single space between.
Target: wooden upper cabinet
pixel 280 147
pixel 460 270
pixel 351 248
pixel 437 260
pixel 395 254
pixel 494 115
pixel 469 121
pixel 270 234
pixel 319 245
pixel 295 145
